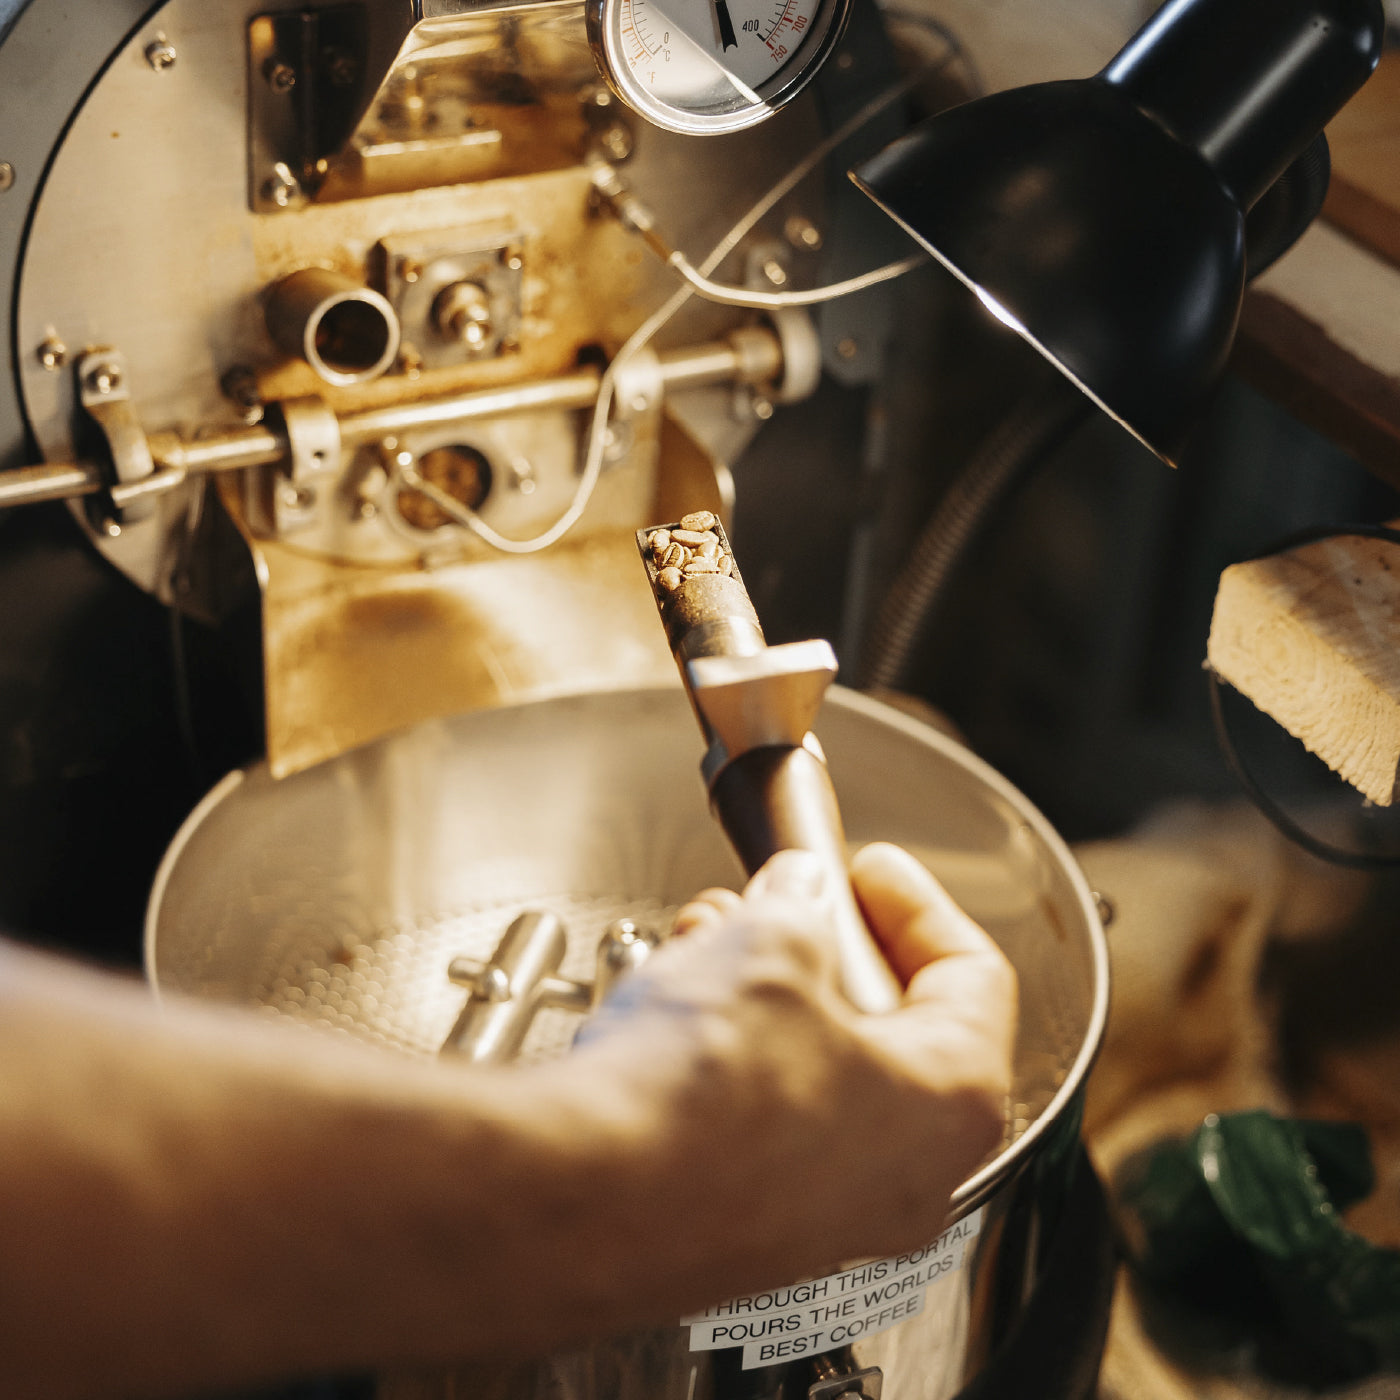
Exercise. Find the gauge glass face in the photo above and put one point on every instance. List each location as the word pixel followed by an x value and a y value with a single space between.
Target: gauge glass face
pixel 714 64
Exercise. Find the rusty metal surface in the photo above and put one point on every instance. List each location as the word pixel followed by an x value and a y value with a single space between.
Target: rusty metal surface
pixel 354 652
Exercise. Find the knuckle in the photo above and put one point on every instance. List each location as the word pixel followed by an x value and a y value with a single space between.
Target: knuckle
pixel 800 943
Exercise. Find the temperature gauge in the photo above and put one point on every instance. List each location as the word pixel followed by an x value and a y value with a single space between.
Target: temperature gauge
pixel 709 66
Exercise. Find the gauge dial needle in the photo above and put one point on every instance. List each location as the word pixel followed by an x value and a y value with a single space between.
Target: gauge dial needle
pixel 726 26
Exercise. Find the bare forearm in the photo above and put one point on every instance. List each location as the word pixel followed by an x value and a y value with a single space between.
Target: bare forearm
pixel 195 1196
pixel 201 1197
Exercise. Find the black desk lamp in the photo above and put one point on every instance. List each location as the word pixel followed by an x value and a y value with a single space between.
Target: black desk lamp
pixel 1105 219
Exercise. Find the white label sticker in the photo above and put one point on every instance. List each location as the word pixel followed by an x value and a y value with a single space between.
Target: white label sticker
pixel 818 1314
pixel 839 1334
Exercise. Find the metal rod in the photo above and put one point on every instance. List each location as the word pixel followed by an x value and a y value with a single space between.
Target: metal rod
pixel 265 444
pixel 221 452
pixel 28 486
pixel 578 390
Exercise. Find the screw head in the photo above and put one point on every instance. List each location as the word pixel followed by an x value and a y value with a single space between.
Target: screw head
pixel 104 379
pixel 296 497
pixel 7 176
pixel 281 77
pixel 52 353
pixel 341 68
pixel 161 54
pixel 240 387
pixel 282 188
pixel 847 348
pixel 617 141
pixel 410 269
pixel 802 233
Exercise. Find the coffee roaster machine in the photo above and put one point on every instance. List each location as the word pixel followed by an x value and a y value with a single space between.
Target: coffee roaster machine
pixel 351 344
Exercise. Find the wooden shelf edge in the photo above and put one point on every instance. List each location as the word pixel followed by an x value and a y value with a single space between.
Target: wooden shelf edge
pixel 1292 360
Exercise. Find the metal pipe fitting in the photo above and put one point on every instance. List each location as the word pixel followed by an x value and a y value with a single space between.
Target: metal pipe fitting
pixel 344 330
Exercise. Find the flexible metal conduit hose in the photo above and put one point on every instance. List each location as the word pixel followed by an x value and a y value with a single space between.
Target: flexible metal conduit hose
pixel 1039 425
pixel 1287 207
pixel 1036 427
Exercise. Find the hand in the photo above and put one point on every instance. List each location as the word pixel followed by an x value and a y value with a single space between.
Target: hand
pixel 730 1123
pixel 787 1133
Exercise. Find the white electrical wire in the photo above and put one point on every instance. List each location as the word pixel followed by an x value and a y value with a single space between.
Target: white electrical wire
pixel 774 301
pixel 695 279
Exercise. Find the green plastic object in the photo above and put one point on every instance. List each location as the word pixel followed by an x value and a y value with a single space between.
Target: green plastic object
pixel 1242 1222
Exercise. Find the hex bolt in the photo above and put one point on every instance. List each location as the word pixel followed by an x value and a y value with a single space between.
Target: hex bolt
pixel 617 141
pixel 7 176
pixel 462 312
pixel 52 353
pixel 104 379
pixel 240 387
pixel 160 54
pixel 341 68
pixel 368 490
pixel 617 443
pixel 281 77
pixel 296 497
pixel 281 187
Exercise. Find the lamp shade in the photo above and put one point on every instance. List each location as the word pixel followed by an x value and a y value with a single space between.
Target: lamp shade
pixel 1104 219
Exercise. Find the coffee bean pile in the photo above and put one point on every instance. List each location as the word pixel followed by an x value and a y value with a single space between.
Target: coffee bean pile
pixel 689 548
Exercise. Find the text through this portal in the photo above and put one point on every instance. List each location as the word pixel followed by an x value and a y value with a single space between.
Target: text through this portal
pixel 819 1314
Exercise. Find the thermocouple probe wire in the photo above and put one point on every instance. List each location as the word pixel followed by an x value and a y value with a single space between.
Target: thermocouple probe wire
pixel 598 427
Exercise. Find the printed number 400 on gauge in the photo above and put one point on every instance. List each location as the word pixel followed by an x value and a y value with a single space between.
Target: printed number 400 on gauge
pixel 703 67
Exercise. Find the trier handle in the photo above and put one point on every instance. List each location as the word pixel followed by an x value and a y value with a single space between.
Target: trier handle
pixel 780 798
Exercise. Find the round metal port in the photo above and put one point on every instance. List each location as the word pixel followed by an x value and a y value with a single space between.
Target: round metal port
pixel 457 471
pixel 345 331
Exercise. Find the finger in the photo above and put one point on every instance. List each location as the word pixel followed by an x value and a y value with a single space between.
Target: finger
pixel 789 875
pixel 789 901
pixel 957 1027
pixel 948 962
pixel 915 919
pixel 705 910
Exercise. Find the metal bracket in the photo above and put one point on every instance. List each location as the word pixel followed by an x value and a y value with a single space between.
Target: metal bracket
pixel 313 437
pixel 280 500
pixel 769 697
pixel 306 75
pixel 857 1385
pixel 103 393
pixel 639 385
pixel 457 292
